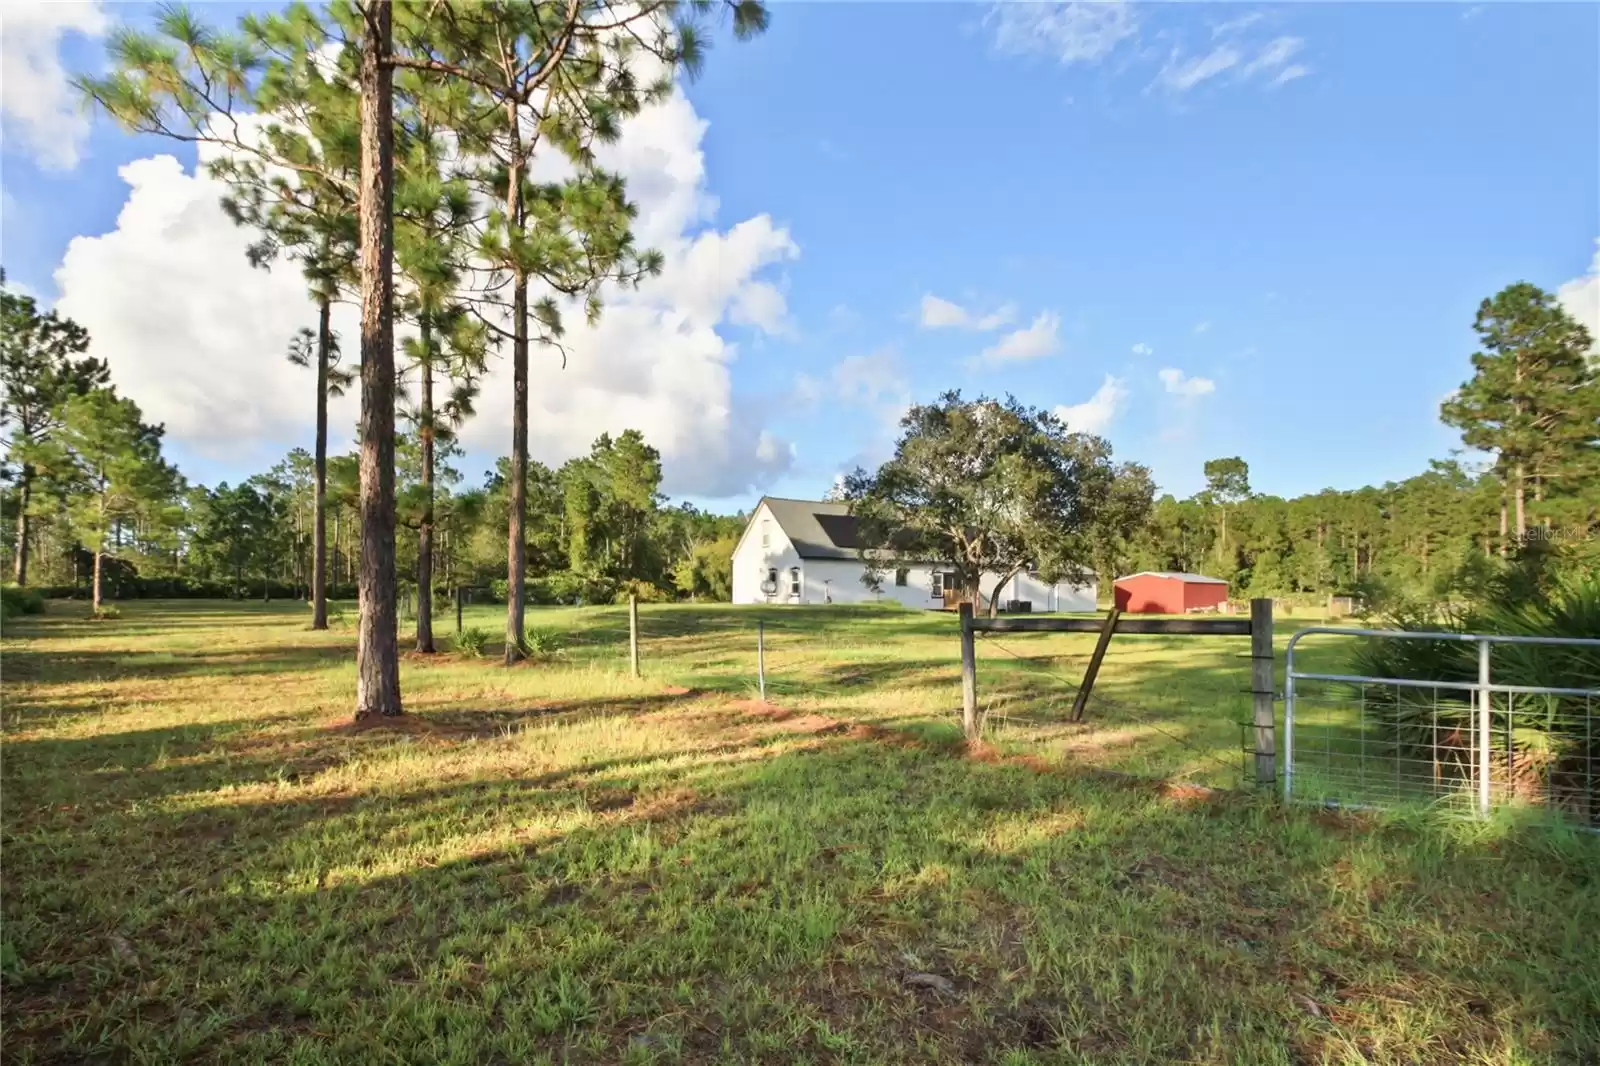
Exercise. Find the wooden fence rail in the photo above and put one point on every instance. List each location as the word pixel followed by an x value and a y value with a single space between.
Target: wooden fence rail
pixel 1258 627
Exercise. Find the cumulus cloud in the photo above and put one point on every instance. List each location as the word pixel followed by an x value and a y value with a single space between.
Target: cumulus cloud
pixel 1202 327
pixel 1581 298
pixel 1071 32
pixel 876 385
pixel 1095 414
pixel 1031 342
pixel 1143 349
pixel 36 100
pixel 196 336
pixel 1179 384
pixel 938 313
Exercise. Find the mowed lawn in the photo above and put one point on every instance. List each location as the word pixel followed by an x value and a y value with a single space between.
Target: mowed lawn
pixel 204 862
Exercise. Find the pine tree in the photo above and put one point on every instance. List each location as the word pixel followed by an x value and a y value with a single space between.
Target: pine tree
pixel 1534 397
pixel 554 77
pixel 119 468
pixel 38 374
pixel 434 210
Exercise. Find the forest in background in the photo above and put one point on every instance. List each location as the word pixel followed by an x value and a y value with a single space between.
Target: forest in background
pixel 599 528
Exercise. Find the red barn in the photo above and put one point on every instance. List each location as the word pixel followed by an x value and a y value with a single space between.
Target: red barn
pixel 1169 592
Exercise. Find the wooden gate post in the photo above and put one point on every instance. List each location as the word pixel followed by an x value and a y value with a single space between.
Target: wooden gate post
pixel 969 674
pixel 1262 681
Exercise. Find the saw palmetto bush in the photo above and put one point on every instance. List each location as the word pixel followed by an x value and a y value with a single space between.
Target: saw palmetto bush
pixel 1544 748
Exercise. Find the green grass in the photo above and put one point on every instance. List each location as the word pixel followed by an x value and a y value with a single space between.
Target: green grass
pixel 557 863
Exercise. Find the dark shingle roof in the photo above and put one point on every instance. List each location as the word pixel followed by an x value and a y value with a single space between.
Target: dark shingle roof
pixel 818 530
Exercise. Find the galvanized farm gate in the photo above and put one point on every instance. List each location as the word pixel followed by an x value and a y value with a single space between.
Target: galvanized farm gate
pixel 1357 740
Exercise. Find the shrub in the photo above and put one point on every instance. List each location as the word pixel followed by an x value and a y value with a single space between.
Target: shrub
pixel 15 601
pixel 542 644
pixel 471 642
pixel 106 613
pixel 1549 731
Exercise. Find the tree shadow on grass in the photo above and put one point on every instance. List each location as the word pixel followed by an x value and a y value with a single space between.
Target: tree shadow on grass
pixel 770 908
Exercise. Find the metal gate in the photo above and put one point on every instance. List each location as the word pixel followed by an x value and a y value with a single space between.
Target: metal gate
pixel 1361 741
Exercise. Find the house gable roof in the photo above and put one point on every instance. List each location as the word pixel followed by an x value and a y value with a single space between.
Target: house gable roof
pixel 817 529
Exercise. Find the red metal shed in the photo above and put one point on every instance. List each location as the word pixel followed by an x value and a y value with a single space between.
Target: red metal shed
pixel 1169 592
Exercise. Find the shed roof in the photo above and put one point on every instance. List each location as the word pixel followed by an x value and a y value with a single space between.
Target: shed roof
pixel 1177 575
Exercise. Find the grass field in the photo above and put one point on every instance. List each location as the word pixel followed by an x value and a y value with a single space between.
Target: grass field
pixel 203 861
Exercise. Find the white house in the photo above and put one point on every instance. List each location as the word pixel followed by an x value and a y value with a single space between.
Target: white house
pixel 806 551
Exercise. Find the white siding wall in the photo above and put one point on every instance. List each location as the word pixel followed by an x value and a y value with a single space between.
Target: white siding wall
pixel 840 579
pixel 751 560
pixel 1064 596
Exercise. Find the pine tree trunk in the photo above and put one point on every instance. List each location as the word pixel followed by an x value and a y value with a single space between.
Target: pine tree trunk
pixel 1502 525
pixel 516 547
pixel 94 599
pixel 24 494
pixel 377 642
pixel 425 527
pixel 319 481
pixel 1522 513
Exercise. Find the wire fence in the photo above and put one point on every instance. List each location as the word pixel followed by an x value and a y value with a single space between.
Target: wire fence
pixel 1477 745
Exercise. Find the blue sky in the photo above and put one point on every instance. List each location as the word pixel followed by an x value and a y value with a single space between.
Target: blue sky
pixel 1269 227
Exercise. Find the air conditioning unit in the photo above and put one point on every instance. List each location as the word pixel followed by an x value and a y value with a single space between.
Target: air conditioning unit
pixel 1019 606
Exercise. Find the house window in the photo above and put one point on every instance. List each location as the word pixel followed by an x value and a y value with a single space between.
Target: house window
pixel 794 581
pixel 936 585
pixel 901 576
pixel 770 585
pixel 766 534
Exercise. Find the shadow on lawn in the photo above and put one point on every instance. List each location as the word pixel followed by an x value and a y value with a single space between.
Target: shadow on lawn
pixel 766 905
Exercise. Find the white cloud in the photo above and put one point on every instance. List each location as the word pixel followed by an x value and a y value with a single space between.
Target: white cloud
pixel 1181 72
pixel 1143 349
pixel 36 100
pixel 938 313
pixel 1277 52
pixel 1084 32
pixel 1581 298
pixel 1202 327
pixel 1095 414
pixel 196 335
pixel 1232 26
pixel 1290 73
pixel 1178 384
pixel 1179 76
pixel 1032 342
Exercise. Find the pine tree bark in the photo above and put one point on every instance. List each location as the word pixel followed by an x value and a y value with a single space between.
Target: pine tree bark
pixel 1522 512
pixel 516 547
pixel 377 642
pixel 24 495
pixel 1503 525
pixel 319 481
pixel 425 527
pixel 94 598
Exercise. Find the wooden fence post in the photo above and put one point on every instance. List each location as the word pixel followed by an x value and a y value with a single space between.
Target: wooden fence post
pixel 458 609
pixel 1081 700
pixel 633 634
pixel 761 658
pixel 969 674
pixel 1262 681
